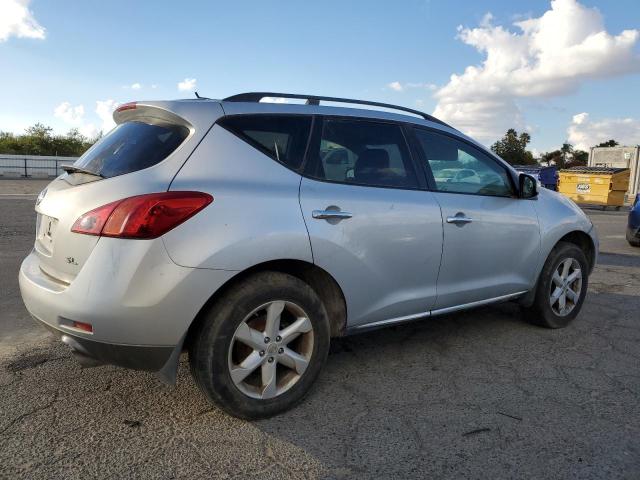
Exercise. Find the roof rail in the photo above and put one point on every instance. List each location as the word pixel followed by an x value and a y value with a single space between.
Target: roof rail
pixel 316 99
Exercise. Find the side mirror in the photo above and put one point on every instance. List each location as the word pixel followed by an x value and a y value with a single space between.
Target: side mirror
pixel 528 186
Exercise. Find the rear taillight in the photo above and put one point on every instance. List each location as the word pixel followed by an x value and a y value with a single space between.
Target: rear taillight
pixel 143 216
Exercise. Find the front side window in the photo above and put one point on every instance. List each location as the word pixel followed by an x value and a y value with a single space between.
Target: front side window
pixel 460 168
pixel 363 153
pixel 282 137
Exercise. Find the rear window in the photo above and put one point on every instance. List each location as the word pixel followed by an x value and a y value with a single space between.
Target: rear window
pixel 132 146
pixel 282 137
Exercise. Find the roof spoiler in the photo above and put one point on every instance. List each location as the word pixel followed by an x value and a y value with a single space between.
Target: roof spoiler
pixel 315 100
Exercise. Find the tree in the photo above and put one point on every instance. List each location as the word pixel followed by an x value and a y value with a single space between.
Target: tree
pixel 578 159
pixel 40 140
pixel 555 156
pixel 513 148
pixel 609 143
pixel 567 150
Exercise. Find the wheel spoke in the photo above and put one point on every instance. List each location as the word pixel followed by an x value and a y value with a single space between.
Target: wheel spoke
pixel 246 367
pixel 274 310
pixel 573 296
pixel 269 383
pixel 301 325
pixel 566 265
pixel 562 302
pixel 250 336
pixel 557 279
pixel 557 293
pixel 294 361
pixel 575 275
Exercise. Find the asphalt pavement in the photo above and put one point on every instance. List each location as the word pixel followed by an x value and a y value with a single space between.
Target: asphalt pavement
pixel 480 394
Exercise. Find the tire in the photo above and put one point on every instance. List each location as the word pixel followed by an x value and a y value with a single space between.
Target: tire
pixel 542 313
pixel 217 349
pixel 633 241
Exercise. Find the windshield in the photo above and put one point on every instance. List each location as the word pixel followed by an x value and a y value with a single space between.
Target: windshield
pixel 132 146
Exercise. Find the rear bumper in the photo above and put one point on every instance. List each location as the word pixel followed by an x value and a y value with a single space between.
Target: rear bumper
pixel 91 352
pixel 138 301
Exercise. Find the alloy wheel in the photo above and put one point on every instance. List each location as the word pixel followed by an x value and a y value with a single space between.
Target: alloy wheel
pixel 271 349
pixel 566 287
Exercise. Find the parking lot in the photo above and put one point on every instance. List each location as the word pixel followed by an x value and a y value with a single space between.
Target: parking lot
pixel 474 395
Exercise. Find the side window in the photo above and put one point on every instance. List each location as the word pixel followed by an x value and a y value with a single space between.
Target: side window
pixel 282 137
pixel 363 153
pixel 460 168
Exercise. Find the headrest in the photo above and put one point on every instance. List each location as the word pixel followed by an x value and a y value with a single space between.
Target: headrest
pixel 372 159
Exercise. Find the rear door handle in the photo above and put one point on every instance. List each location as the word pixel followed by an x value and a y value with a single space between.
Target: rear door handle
pixel 459 219
pixel 324 214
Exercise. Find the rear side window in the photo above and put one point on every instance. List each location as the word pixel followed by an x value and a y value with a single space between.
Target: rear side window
pixel 363 152
pixel 282 137
pixel 132 146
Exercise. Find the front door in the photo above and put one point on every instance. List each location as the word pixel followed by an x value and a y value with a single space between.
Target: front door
pixel 491 237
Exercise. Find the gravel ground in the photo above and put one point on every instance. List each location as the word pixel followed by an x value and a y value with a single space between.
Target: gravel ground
pixel 475 395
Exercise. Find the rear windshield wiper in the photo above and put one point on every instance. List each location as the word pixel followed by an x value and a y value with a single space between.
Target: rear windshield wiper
pixel 74 169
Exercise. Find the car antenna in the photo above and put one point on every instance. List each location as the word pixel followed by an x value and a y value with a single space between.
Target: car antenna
pixel 201 98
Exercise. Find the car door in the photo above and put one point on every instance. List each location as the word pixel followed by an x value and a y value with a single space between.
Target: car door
pixel 372 224
pixel 491 237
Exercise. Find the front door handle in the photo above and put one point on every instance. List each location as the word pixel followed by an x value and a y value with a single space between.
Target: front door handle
pixel 325 214
pixel 459 220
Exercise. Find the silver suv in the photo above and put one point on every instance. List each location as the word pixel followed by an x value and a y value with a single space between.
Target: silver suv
pixel 250 233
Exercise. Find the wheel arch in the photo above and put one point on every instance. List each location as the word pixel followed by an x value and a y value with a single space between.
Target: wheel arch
pixel 316 277
pixel 577 237
pixel 583 241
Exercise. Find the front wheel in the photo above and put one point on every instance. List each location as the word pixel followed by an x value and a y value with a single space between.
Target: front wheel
pixel 562 287
pixel 261 346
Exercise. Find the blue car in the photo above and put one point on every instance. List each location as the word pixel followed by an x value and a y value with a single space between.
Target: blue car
pixel 633 225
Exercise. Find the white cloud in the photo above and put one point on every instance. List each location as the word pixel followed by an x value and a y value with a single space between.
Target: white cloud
pixel 584 133
pixel 187 85
pixel 401 87
pixel 135 86
pixel 154 86
pixel 549 55
pixel 104 110
pixel 18 21
pixel 74 117
pixel 69 114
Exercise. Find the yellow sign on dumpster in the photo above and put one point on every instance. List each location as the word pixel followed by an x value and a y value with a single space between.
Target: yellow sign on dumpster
pixel 595 185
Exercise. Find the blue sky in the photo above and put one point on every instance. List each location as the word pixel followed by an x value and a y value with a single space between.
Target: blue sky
pixel 72 54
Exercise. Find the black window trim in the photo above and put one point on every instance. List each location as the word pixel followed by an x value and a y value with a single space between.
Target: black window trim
pixel 314 141
pixel 424 163
pixel 418 159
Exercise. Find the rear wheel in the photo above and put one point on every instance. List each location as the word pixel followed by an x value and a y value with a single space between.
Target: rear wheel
pixel 561 287
pixel 261 346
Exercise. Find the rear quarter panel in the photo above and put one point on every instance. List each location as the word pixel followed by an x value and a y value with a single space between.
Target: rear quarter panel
pixel 255 215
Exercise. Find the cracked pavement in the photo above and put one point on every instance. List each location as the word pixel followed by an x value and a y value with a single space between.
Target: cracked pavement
pixel 480 394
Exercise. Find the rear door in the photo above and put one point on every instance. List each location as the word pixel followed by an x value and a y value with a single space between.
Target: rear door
pixel 491 237
pixel 371 224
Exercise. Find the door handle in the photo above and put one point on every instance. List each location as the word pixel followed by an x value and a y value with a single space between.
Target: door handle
pixel 461 219
pixel 325 214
